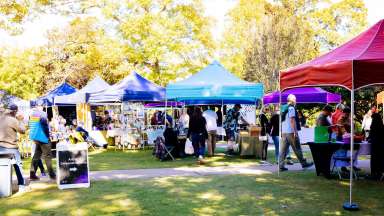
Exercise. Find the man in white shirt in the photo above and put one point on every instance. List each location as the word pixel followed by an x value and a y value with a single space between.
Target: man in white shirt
pixel 211 118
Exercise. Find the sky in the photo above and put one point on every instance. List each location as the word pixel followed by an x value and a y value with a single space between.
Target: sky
pixel 35 32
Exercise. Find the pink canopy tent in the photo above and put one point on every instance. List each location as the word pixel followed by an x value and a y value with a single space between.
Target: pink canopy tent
pixel 354 65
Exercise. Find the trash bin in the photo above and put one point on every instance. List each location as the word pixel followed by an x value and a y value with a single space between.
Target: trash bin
pixel 6 175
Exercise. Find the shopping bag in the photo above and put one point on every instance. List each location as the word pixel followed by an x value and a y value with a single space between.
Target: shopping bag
pixel 263 138
pixel 188 147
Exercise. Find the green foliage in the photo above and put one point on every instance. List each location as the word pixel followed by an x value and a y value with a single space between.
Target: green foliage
pixel 165 39
pixel 20 74
pixel 265 37
pixel 282 40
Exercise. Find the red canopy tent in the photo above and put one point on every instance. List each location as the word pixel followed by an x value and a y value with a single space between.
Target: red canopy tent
pixel 356 64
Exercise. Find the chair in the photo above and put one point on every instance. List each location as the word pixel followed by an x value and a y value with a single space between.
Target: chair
pixel 79 138
pixel 341 158
pixel 161 150
pixel 168 150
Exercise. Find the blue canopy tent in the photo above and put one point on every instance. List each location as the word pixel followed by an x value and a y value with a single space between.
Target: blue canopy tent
pixel 48 99
pixel 214 85
pixel 96 85
pixel 132 88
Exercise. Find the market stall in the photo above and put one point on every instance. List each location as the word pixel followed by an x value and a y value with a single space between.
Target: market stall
pixel 354 65
pixel 79 99
pixel 128 97
pixel 306 95
pixel 214 85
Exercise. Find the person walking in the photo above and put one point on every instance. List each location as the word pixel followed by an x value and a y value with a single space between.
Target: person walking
pixel 211 118
pixel 264 123
pixel 39 134
pixel 290 135
pixel 10 125
pixel 198 133
pixel 231 125
pixel 377 149
pixel 275 130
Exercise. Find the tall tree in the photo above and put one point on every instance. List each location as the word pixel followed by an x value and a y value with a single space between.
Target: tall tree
pixel 165 39
pixel 280 41
pixel 323 25
pixel 20 74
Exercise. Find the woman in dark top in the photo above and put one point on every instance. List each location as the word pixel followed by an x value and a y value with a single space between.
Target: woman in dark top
pixel 197 132
pixel 264 123
pixel 302 119
pixel 274 124
pixel 376 137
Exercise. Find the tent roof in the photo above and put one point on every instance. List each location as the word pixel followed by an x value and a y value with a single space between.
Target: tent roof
pixel 355 64
pixel 303 95
pixel 132 88
pixel 63 89
pixel 215 84
pixel 95 85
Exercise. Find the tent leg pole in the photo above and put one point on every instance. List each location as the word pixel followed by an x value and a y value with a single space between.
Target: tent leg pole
pixel 350 206
pixel 222 117
pixel 280 136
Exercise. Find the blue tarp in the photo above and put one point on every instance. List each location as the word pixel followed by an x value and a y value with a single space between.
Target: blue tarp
pixel 215 85
pixel 96 85
pixel 132 88
pixel 48 99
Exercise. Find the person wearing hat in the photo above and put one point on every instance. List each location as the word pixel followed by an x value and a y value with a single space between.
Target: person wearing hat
pixel 39 134
pixel 231 125
pixel 10 124
pixel 324 117
pixel 290 135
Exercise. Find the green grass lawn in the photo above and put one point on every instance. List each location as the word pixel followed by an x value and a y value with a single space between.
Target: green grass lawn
pixel 110 159
pixel 293 193
pixel 143 159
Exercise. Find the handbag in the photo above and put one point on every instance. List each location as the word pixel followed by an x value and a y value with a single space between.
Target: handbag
pixel 188 147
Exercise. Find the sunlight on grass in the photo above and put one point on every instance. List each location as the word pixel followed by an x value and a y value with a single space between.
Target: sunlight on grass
pixel 267 197
pixel 211 196
pixel 292 194
pixel 198 180
pixel 49 204
pixel 80 212
pixel 113 196
pixel 164 182
pixel 204 210
pixel 331 213
pixel 18 212
pixel 343 183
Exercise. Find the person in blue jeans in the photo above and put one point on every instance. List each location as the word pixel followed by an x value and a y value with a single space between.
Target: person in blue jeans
pixel 198 132
pixel 274 133
pixel 10 125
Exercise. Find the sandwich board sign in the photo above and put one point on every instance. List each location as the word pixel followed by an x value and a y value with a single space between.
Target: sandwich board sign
pixel 72 165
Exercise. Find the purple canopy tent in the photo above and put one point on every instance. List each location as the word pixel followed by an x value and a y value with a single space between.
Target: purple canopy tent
pixel 303 95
